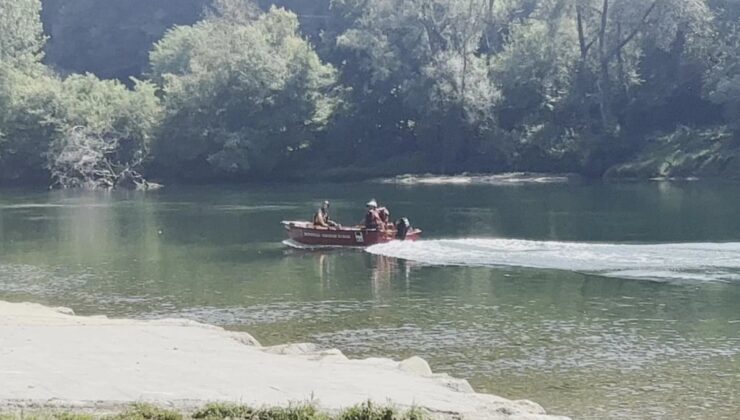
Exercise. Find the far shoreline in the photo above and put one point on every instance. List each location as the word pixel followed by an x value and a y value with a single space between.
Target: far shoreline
pixel 461 179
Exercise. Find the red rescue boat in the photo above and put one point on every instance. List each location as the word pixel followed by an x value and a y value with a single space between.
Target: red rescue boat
pixel 307 235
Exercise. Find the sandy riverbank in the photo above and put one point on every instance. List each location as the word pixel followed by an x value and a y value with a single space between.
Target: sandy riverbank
pixel 52 358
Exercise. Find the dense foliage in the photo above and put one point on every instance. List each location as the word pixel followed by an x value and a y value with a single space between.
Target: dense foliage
pixel 242 90
pixel 21 36
pixel 74 132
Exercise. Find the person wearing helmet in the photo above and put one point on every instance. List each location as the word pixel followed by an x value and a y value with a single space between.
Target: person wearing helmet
pixel 321 218
pixel 372 217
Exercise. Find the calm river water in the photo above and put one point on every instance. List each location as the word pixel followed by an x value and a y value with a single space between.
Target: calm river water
pixel 595 300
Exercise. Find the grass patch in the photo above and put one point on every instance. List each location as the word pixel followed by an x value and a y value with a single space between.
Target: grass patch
pixel 370 411
pixel 73 416
pixel 219 411
pixel 224 411
pixel 147 412
pixel 46 415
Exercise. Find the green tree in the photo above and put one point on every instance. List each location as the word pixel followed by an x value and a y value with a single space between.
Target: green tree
pixel 242 93
pixel 723 77
pixel 42 116
pixel 26 95
pixel 422 85
pixel 614 38
pixel 105 135
pixel 78 132
pixel 29 120
pixel 595 76
pixel 314 15
pixel 416 66
pixel 537 68
pixel 21 32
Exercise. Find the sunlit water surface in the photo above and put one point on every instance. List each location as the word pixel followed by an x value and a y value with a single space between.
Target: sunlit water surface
pixel 597 301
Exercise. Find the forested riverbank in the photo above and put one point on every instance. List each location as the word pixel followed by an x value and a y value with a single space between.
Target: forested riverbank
pixel 105 93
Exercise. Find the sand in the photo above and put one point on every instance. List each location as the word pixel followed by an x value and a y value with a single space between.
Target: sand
pixel 51 358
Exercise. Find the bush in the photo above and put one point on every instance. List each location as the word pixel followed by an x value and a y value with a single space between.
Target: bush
pixel 79 132
pixel 242 93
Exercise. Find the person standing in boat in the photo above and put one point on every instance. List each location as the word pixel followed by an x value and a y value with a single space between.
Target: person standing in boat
pixel 321 218
pixel 372 216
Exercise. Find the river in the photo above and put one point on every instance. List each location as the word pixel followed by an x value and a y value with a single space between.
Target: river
pixel 595 300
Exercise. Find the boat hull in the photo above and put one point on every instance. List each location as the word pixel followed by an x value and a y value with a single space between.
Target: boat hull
pixel 306 234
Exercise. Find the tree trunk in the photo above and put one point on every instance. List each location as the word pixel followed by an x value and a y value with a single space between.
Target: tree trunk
pixel 620 61
pixel 603 84
pixel 489 24
pixel 463 83
pixel 581 35
pixel 581 76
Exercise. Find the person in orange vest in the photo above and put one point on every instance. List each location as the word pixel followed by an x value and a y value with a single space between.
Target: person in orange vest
pixel 372 217
pixel 385 217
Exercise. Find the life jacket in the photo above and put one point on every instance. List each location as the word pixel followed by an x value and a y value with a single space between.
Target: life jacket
pixel 372 219
pixel 384 214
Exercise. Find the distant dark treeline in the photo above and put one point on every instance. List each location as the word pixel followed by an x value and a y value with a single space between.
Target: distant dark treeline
pixel 241 90
pixel 110 38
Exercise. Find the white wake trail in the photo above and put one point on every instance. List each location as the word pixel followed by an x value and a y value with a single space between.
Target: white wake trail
pixel 680 261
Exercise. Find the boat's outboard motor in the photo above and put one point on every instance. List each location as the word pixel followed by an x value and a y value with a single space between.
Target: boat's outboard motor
pixel 403 226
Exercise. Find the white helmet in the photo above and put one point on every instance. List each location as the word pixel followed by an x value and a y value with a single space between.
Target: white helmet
pixel 372 203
